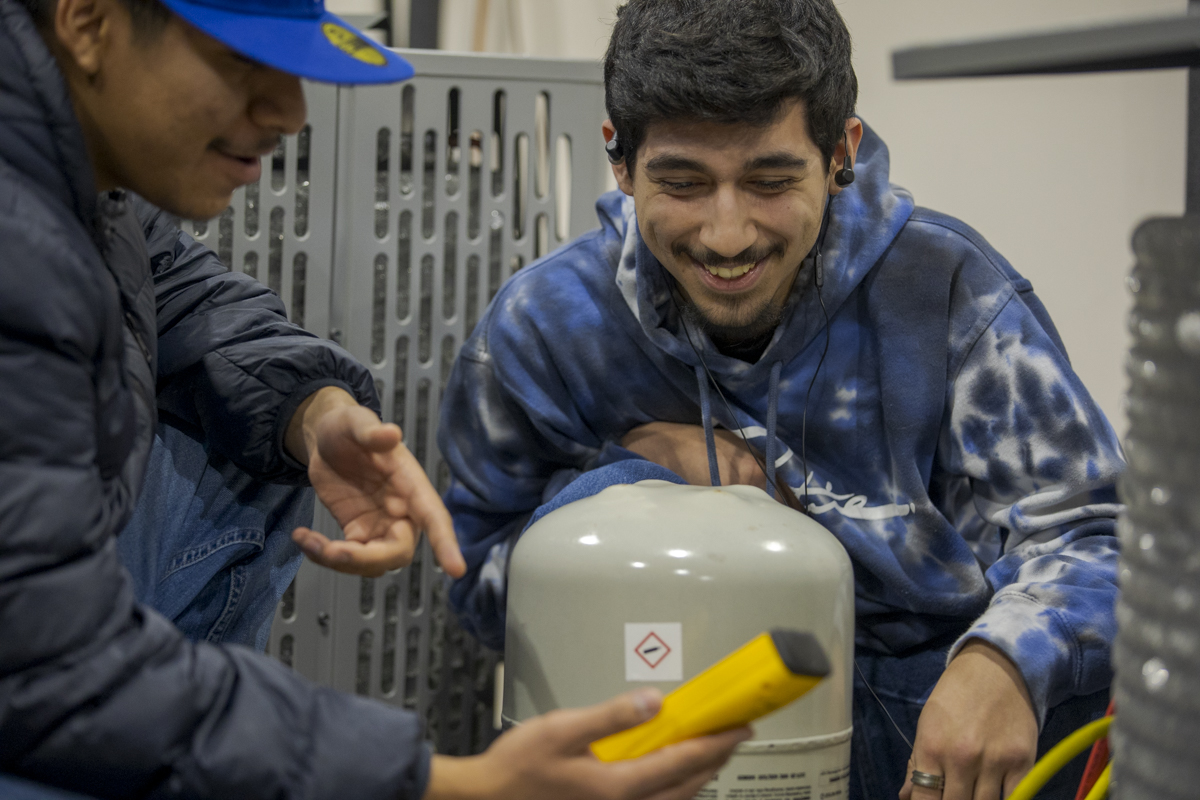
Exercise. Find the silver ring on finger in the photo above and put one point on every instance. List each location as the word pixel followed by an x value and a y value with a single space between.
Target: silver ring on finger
pixel 928 781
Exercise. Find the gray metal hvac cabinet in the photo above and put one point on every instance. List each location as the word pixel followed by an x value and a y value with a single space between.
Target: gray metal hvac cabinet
pixel 387 225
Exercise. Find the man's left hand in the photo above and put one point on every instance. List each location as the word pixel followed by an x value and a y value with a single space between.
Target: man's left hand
pixel 978 729
pixel 373 486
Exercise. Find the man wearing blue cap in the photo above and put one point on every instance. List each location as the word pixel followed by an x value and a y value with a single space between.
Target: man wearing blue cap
pixel 147 391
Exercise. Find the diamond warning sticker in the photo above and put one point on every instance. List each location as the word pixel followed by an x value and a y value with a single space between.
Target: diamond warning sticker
pixel 653 651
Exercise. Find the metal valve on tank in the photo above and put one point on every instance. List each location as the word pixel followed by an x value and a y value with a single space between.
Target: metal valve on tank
pixel 652 583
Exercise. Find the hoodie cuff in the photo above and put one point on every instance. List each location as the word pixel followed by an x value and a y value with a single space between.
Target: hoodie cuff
pixel 1036 639
pixel 609 453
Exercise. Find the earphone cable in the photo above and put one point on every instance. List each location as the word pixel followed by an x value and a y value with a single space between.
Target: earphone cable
pixel 818 279
pixel 892 720
pixel 808 396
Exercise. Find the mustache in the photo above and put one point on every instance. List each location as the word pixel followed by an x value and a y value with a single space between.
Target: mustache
pixel 711 258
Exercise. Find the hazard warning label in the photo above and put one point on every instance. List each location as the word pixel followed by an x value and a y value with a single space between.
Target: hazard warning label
pixel 653 651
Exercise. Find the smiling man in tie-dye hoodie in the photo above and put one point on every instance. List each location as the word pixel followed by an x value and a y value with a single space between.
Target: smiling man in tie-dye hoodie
pixel 894 372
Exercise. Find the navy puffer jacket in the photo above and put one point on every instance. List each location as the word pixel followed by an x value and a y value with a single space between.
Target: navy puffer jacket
pixel 107 311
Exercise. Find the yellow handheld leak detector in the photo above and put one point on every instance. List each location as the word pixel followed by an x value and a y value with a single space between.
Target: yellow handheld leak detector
pixel 764 675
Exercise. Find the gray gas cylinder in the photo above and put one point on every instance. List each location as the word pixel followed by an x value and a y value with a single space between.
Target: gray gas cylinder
pixel 652 583
pixel 1156 735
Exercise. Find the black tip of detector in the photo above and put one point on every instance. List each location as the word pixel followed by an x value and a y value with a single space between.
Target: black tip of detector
pixel 801 652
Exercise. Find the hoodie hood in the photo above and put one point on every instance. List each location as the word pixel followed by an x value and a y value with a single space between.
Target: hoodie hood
pixel 864 219
pixel 40 137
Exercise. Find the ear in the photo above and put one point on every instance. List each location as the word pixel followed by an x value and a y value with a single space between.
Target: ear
pixel 621 168
pixel 854 132
pixel 83 29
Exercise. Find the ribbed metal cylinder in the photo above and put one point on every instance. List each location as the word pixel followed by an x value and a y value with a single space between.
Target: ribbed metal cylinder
pixel 1156 736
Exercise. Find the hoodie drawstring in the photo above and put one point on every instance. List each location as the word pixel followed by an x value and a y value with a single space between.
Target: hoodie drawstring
pixel 714 475
pixel 772 415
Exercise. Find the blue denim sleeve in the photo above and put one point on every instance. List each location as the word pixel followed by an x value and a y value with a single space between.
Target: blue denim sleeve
pixel 1037 463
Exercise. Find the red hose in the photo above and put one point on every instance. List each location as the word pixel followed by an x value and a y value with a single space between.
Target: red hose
pixel 1096 761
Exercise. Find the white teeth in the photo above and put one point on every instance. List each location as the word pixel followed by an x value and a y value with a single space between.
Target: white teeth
pixel 729 274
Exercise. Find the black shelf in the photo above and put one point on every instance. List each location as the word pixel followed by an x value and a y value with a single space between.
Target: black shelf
pixel 1148 44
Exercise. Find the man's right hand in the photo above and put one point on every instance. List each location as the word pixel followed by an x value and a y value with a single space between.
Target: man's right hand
pixel 681 449
pixel 548 758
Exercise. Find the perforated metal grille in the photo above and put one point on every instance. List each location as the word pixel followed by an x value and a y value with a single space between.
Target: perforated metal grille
pixel 280 229
pixel 421 200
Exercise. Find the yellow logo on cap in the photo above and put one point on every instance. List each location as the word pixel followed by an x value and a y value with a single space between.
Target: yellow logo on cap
pixel 352 44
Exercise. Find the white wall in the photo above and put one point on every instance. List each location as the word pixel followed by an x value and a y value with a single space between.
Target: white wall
pixel 1055 172
pixel 549 28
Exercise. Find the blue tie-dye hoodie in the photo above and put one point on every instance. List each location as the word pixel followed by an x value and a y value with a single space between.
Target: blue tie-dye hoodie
pixel 950 446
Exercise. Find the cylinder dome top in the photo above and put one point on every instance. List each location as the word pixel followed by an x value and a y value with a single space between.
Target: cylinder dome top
pixel 697 533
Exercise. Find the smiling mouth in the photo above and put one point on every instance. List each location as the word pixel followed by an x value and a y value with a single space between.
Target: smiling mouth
pixel 238 157
pixel 729 273
pixel 246 152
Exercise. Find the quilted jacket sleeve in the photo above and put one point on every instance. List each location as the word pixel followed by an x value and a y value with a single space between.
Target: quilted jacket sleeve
pixel 229 360
pixel 99 694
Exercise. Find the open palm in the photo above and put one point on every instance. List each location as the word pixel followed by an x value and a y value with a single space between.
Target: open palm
pixel 378 493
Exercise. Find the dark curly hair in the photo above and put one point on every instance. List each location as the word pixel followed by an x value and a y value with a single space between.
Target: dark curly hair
pixel 728 61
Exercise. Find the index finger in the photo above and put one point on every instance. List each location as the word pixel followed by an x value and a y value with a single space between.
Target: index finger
pixel 429 514
pixel 438 526
pixel 579 727
pixel 679 763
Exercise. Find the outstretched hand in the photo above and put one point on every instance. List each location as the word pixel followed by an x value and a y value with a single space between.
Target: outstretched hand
pixel 548 758
pixel 373 486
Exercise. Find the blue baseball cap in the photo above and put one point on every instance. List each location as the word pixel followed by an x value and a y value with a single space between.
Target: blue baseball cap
pixel 296 36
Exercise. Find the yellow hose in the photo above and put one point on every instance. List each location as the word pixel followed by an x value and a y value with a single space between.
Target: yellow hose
pixel 1059 756
pixel 1100 789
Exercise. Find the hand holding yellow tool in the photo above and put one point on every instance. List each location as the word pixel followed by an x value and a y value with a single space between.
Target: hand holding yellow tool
pixel 764 675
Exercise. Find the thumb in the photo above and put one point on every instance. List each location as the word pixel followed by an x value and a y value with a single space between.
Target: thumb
pixel 368 431
pixel 582 726
pixel 380 437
